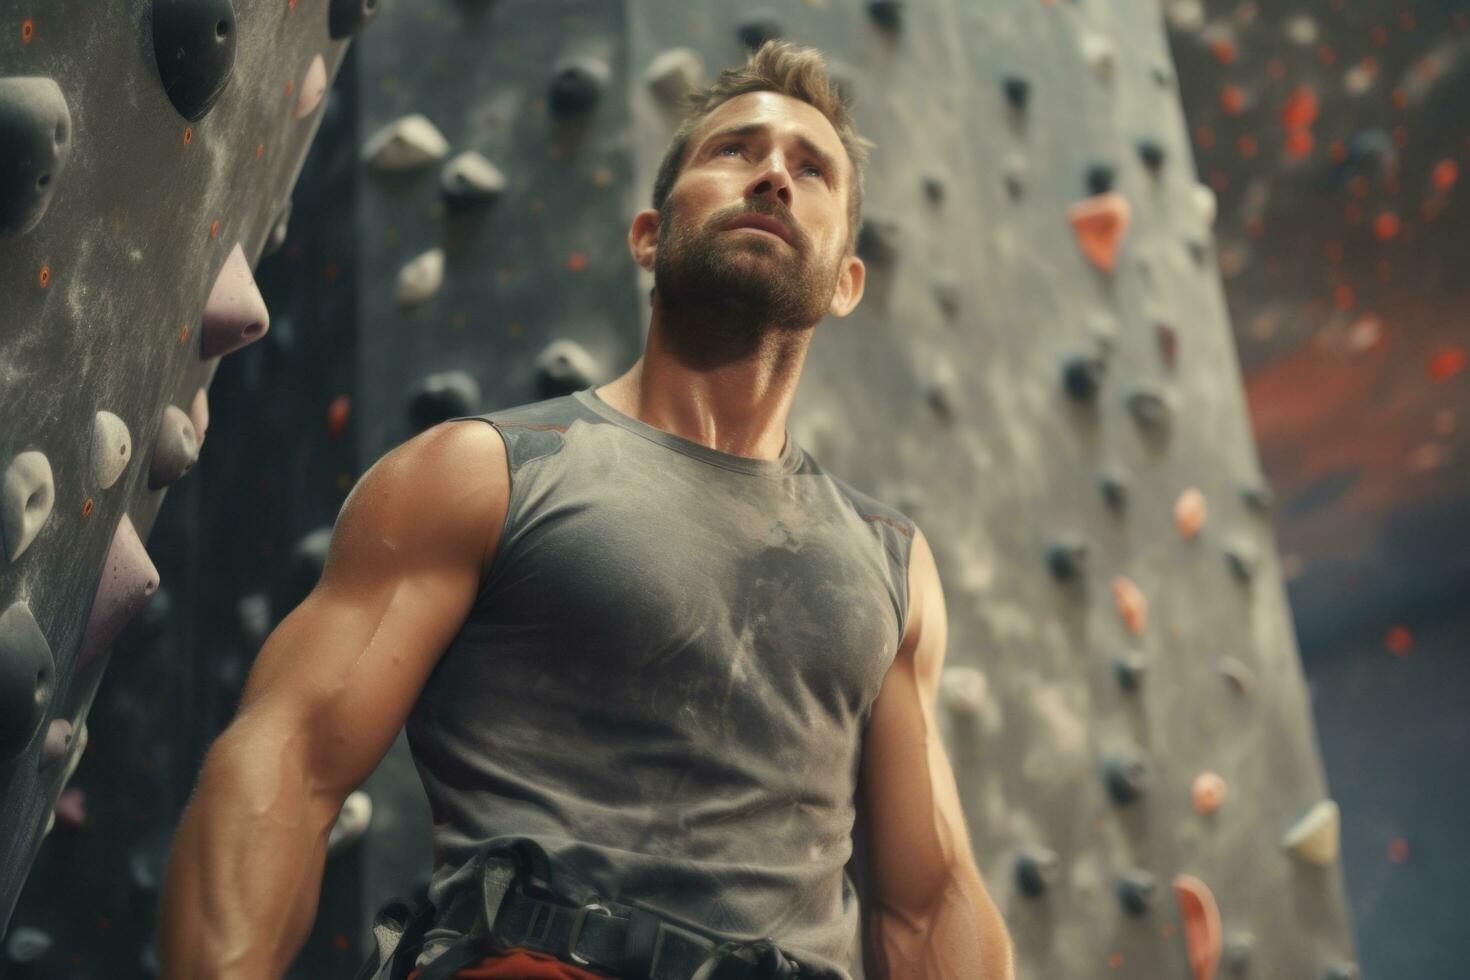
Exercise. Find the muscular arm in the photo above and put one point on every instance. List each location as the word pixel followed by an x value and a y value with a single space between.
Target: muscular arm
pixel 930 916
pixel 325 699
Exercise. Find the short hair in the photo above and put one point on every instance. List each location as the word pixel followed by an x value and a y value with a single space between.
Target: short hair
pixel 783 67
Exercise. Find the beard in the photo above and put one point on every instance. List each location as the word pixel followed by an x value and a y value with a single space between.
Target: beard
pixel 725 294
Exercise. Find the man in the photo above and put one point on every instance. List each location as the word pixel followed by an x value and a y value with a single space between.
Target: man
pixel 636 625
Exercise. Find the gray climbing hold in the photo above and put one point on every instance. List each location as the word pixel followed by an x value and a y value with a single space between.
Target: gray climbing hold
pixel 933 188
pixel 1114 487
pixel 1067 559
pixel 1314 838
pixel 1137 891
pixel 1151 152
pixel 758 29
pixel 1198 250
pixel 1125 773
pixel 352 822
pixel 470 180
pixel 409 143
pixel 565 366
pixel 1241 677
pixel 35 143
pixel 313 87
pixel 887 14
pixel 57 744
pixel 1017 91
pixel 420 279
pixel 1242 561
pixel 112 447
pixel 674 74
pixel 27 946
pixel 1150 410
pixel 347 17
pixel 26 498
pixel 279 227
pixel 235 313
pixel 1239 949
pixel 1037 869
pixel 194 46
pixel 963 690
pixel 27 673
pixel 1082 375
pixel 1342 971
pixel 577 85
pixel 1130 669
pixel 128 581
pixel 1258 497
pixel 446 395
pixel 176 451
pixel 199 414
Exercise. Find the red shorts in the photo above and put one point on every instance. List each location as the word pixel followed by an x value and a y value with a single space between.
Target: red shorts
pixel 521 964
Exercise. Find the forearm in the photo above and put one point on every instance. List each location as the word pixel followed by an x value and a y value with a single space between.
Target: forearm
pixel 244 875
pixel 959 936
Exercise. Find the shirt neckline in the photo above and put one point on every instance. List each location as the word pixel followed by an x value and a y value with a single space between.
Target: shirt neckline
pixel 787 462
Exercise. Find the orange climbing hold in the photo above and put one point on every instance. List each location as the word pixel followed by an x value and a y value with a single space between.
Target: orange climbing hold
pixel 1447 363
pixel 1131 604
pixel 1201 921
pixel 1207 793
pixel 1190 512
pixel 1386 226
pixel 1300 109
pixel 1399 640
pixel 1099 223
pixel 1446 172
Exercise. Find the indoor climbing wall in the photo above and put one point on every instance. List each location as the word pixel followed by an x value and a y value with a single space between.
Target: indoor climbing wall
pixel 147 156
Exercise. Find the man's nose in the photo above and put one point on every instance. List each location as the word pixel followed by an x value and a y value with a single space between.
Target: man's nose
pixel 773 183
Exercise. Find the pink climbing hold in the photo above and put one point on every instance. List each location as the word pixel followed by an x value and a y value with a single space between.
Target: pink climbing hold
pixel 313 87
pixel 199 415
pixel 71 806
pixel 128 582
pixel 235 314
pixel 1099 223
pixel 1201 922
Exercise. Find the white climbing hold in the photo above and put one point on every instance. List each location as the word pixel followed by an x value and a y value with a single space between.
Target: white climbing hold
pixel 313 87
pixel 1206 204
pixel 471 178
pixel 112 447
pixel 421 278
pixel 26 498
pixel 175 452
pixel 406 144
pixel 199 415
pixel 1186 15
pixel 1301 30
pixel 1100 56
pixel 1314 839
pixel 352 822
pixel 674 73
pixel 235 313
pixel 963 689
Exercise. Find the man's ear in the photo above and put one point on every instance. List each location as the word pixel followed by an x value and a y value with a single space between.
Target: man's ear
pixel 643 237
pixel 849 286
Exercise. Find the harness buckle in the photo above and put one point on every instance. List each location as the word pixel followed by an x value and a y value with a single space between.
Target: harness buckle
pixel 577 920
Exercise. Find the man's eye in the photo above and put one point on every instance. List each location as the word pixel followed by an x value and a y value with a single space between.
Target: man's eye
pixel 729 146
pixel 812 166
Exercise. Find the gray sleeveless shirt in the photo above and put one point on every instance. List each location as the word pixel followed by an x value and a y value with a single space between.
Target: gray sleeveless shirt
pixel 665 679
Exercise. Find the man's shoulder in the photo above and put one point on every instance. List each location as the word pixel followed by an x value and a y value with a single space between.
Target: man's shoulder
pixel 870 508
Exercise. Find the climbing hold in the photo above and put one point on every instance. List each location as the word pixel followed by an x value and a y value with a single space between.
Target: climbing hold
pixel 1150 410
pixel 933 188
pixel 878 240
pixel 887 14
pixel 1168 340
pixel 1137 890
pixel 1241 677
pixel 420 279
pixel 313 87
pixel 1099 223
pixel 1201 925
pixel 1100 178
pixel 253 613
pixel 1206 205
pixel 1082 375
pixel 947 296
pixel 1258 497
pixel 446 395
pixel 1314 837
pixel 176 451
pixel 57 744
pixel 1017 91
pixel 469 180
pixel 27 945
pixel 71 807
pixel 1342 971
pixel 27 671
pixel 1242 562
pixel 1125 773
pixel 576 86
pixel 1037 870
pixel 1190 512
pixel 1131 605
pixel 1100 56
pixel 308 561
pixel 1067 559
pixel 347 17
pixel 674 74
pixel 352 822
pixel 759 29
pixel 1207 793
pixel 409 143
pixel 194 46
pixel 26 498
pixel 1198 250
pixel 279 227
pixel 35 143
pixel 235 313
pixel 1114 488
pixel 199 414
pixel 1129 669
pixel 1239 948
pixel 565 366
pixel 112 447
pixel 1151 152
pixel 963 690
pixel 942 391
pixel 1013 172
pixel 128 581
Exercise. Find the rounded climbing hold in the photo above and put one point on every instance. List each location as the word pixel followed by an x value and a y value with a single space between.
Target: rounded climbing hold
pixel 1017 91
pixel 1132 607
pixel 1342 971
pixel 887 14
pixel 1314 838
pixel 1067 559
pixel 347 17
pixel 1258 497
pixel 1190 511
pixel 235 313
pixel 1207 792
pixel 758 29
pixel 409 143
pixel 565 366
pixel 674 74
pixel 112 447
pixel 1099 223
pixel 963 690
pixel 176 451
pixel 1200 917
pixel 1013 172
pixel 1241 677
pixel 1037 869
pixel 1129 669
pixel 128 581
pixel 1100 55
pixel 199 414
pixel 35 144
pixel 1151 152
pixel 27 676
pixel 71 807
pixel 1082 376
pixel 313 87
pixel 1206 205
pixel 446 395
pixel 57 744
pixel 1100 178
pixel 878 240
pixel 27 945
pixel 1137 891
pixel 1150 410
pixel 1239 949
pixel 420 279
pixel 194 46
pixel 469 180
pixel 26 497
pixel 352 822
pixel 1114 487
pixel 576 86
pixel 1125 773
pixel 1242 561
pixel 933 188
pixel 279 227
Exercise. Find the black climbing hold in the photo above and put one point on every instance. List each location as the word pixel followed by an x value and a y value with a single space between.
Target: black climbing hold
pixel 1150 410
pixel 1258 497
pixel 1082 375
pixel 565 366
pixel 1161 76
pixel 35 142
pixel 194 46
pixel 1242 563
pixel 1017 91
pixel 1137 891
pixel 443 396
pixel 933 189
pixel 1036 870
pixel 1067 559
pixel 1151 152
pixel 576 86
pixel 347 17
pixel 878 240
pixel 1099 178
pixel 887 14
pixel 27 670
pixel 1126 776
pixel 1129 669
pixel 758 30
pixel 1114 488
pixel 1168 340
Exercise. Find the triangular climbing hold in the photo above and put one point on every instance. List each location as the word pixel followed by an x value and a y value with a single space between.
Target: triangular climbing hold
pixel 1201 921
pixel 1314 839
pixel 235 313
pixel 1099 223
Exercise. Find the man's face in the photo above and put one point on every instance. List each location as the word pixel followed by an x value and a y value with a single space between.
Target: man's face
pixel 759 156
